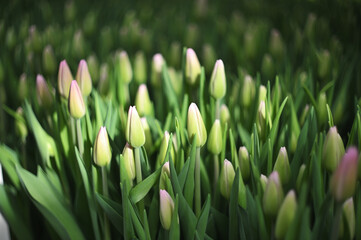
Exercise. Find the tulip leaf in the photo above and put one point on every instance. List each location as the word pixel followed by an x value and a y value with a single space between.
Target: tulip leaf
pixel 183 174
pixel 174 227
pixel 233 209
pixel 112 210
pixel 136 221
pixel 189 183
pixel 168 89
pixel 203 218
pixel 9 160
pixel 275 124
pixel 127 220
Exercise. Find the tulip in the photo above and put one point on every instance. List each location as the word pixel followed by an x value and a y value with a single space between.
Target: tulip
pixel 134 131
pixel 286 215
pixel 244 164
pixel 102 152
pixel 192 68
pixel 128 157
pixel 333 150
pixel 166 209
pixel 248 91
pixel 140 68
pixel 148 135
pixel 226 179
pixel 273 195
pixel 157 65
pixel 44 95
pixel 282 166
pixel 196 126
pixel 143 102
pixel 125 68
pixel 217 87
pixel 83 78
pixel 75 102
pixel 64 79
pixel 215 138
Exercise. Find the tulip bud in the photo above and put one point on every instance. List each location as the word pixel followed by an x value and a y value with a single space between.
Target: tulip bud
pixel 276 46
pixel 248 91
pixel 175 54
pixel 215 138
pixel 64 79
pixel 263 181
pixel 282 166
pixel 49 61
pixel 83 78
pixel 262 93
pixel 176 80
pixel 348 212
pixel 343 181
pixel 304 114
pixel 134 132
pixel 102 153
pixel 23 87
pixel 224 115
pixel 166 209
pixel 321 108
pixel 142 101
pixel 165 173
pixel 324 63
pixel 218 85
pixel 157 64
pixel 148 135
pixel 301 172
pixel 10 38
pixel 93 68
pixel 125 68
pixel 75 101
pixel 333 150
pixel 20 126
pixel 261 119
pixel 103 85
pixel 250 44
pixel 208 56
pixel 163 150
pixel 192 68
pixel 128 158
pixel 140 68
pixel 44 95
pixel 268 66
pixel 226 179
pixel 69 11
pixel 286 215
pixel 244 164
pixel 78 44
pixel 196 126
pixel 310 25
pixel 273 195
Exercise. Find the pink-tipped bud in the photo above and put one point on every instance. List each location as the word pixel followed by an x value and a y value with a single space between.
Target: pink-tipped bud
pixel 44 95
pixel 64 79
pixel 83 78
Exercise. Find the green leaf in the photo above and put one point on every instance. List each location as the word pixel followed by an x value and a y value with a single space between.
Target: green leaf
pixel 141 190
pixel 9 160
pixel 136 221
pixel 127 219
pixel 112 210
pixel 168 89
pixel 203 218
pixel 233 208
pixel 44 197
pixel 330 118
pixel 189 184
pixel 275 124
pixel 174 227
pixel 201 94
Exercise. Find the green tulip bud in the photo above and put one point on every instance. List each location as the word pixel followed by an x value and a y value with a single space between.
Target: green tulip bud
pixel 276 46
pixel 262 93
pixel 10 38
pixel 244 164
pixel 103 85
pixel 75 101
pixel 125 68
pixel 83 78
pixel 301 172
pixel 143 102
pixel 304 114
pixel 93 68
pixel 175 54
pixel 333 150
pixel 250 44
pixel 261 119
pixel 208 56
pixel 165 173
pixel 134 132
pixel 273 195
pixel 348 212
pixel 196 126
pixel 35 39
pixel 44 95
pixel 286 215
pixel 310 25
pixel 176 80
pixel 263 181
pixel 140 68
pixel 157 64
pixel 78 44
pixel 226 179
pixel 343 181
pixel 90 23
pixel 248 91
pixel 324 64
pixel 225 115
pixel 64 79
pixel 49 61
pixel 23 87
pixel 215 138
pixel 102 152
pixel 321 108
pixel 268 66
pixel 69 11
pixel 163 150
pixel 128 158
pixel 192 68
pixel 191 35
pixel 20 126
pixel 166 209
pixel 148 135
pixel 282 166
pixel 218 84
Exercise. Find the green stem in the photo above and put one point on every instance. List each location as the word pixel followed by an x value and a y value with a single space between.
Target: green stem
pixel 198 182
pixel 80 137
pixel 216 171
pixel 336 222
pixel 138 168
pixel 72 128
pixel 218 106
pixel 106 194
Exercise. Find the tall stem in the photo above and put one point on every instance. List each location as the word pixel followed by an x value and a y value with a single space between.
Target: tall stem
pixel 336 221
pixel 218 110
pixel 72 128
pixel 80 137
pixel 138 168
pixel 106 194
pixel 198 182
pixel 216 171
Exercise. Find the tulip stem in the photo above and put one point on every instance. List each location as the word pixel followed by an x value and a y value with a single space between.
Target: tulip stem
pixel 198 182
pixel 336 221
pixel 106 194
pixel 72 128
pixel 216 171
pixel 218 104
pixel 80 137
pixel 138 168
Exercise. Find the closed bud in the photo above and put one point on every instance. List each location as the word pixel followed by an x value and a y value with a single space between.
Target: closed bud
pixel 224 115
pixel 128 158
pixel 304 114
pixel 163 150
pixel 157 65
pixel 140 68
pixel 286 215
pixel 321 108
pixel 262 93
pixel 23 87
pixel 44 95
pixel 102 152
pixel 244 164
pixel 142 101
pixel 175 54
pixel 192 68
pixel 93 68
pixel 263 181
pixel 268 66
pixel 148 135
pixel 134 132
pixel 78 44
pixel 64 79
pixel 333 150
pixel 20 126
pixel 324 63
pixel 166 209
pixel 276 45
pixel 215 138
pixel 248 91
pixel 176 80
pixel 75 101
pixel 261 119
pixel 226 179
pixel 300 175
pixel 343 181
pixel 218 85
pixel 208 56
pixel 348 213
pixel 273 195
pixel 103 85
pixel 196 126
pixel 49 61
pixel 282 166
pixel 165 173
pixel 83 78
pixel 125 68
